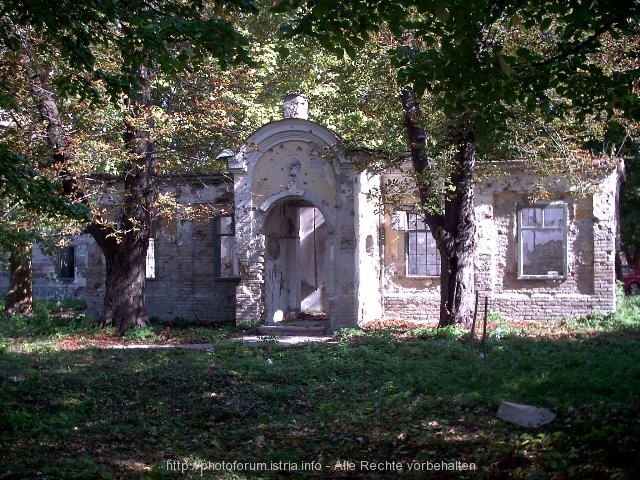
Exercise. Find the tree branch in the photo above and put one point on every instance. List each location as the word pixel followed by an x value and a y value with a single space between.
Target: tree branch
pixel 419 154
pixel 590 39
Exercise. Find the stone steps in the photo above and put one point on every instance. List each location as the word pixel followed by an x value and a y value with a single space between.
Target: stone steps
pixel 293 330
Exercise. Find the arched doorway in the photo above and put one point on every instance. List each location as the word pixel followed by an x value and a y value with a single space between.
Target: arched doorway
pixel 295 261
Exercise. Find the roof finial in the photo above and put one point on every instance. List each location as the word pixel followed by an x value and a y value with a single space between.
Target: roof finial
pixel 296 105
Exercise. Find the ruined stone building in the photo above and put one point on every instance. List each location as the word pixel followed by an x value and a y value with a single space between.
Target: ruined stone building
pixel 303 235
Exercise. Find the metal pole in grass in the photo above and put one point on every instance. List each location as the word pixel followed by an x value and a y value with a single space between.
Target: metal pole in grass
pixel 484 339
pixel 473 328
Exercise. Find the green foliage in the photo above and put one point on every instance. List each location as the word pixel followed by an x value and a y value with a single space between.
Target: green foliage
pixel 82 56
pixel 348 333
pixel 629 147
pixel 515 72
pixel 449 332
pixel 23 188
pixel 80 468
pixel 490 81
pixel 135 32
pixel 139 333
pixel 51 319
pixel 90 72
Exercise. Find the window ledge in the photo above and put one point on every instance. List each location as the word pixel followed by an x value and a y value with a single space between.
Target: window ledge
pixel 542 277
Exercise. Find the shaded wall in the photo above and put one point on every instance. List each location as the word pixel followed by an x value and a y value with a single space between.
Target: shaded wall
pixel 184 286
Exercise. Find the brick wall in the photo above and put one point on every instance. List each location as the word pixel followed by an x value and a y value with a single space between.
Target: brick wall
pixel 184 286
pixel 591 240
pixel 46 282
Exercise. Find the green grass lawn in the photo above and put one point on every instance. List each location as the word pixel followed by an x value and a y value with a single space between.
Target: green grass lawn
pixel 363 407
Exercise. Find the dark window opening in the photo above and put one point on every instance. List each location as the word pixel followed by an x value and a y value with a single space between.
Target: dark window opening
pixel 66 264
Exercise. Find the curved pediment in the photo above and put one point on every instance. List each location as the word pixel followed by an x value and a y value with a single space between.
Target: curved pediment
pixel 279 132
pixel 289 155
pixel 291 128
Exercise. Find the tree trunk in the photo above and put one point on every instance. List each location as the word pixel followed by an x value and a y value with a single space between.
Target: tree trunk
pixel 125 253
pixel 20 293
pixel 125 249
pixel 456 240
pixel 124 299
pixel 454 229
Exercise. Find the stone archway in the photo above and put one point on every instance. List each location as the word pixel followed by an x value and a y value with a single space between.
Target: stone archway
pixel 296 253
pixel 286 170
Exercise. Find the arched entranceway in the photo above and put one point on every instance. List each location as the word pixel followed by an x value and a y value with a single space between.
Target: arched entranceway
pixel 286 174
pixel 296 253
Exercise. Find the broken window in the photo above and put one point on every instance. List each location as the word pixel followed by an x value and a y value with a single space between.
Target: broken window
pixel 151 260
pixel 225 264
pixel 66 264
pixel 423 258
pixel 542 241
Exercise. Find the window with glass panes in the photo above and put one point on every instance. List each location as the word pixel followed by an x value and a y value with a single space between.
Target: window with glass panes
pixel 225 262
pixel 423 258
pixel 542 241
pixel 151 260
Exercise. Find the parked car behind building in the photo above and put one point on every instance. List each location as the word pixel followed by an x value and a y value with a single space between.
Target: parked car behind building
pixel 631 279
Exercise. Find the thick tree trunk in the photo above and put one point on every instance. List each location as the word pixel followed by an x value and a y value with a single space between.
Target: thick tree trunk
pixel 124 300
pixel 456 240
pixel 454 229
pixel 125 252
pixel 125 280
pixel 20 293
pixel 125 249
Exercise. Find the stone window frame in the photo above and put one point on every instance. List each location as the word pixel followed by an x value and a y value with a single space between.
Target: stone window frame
pixel 66 263
pixel 218 238
pixel 150 262
pixel 428 239
pixel 543 227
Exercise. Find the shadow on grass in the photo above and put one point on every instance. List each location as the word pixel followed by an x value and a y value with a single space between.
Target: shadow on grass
pixel 379 404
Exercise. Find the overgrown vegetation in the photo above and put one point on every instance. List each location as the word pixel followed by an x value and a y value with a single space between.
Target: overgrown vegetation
pixel 389 396
pixel 64 325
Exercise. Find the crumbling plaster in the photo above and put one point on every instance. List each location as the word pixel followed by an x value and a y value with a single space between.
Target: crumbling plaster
pixel 293 160
pixel 591 240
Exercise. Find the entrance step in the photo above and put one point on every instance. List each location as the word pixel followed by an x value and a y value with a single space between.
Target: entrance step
pixel 293 330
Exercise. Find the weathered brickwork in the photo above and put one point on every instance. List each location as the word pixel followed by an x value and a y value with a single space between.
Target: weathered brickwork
pixel 356 270
pixel 47 282
pixel 185 286
pixel 591 246
pixel 290 164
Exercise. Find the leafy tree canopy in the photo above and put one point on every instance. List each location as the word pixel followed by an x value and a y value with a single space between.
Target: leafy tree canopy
pixel 83 53
pixel 23 189
pixel 477 59
pixel 143 32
